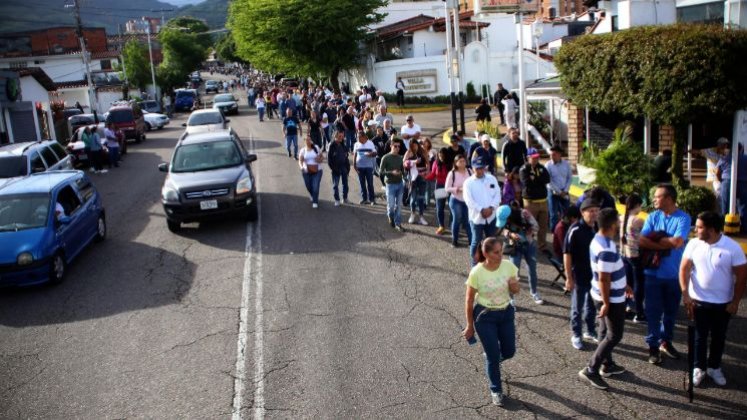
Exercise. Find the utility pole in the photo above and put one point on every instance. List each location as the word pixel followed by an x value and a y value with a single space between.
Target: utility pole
pixel 152 72
pixel 86 59
pixel 125 91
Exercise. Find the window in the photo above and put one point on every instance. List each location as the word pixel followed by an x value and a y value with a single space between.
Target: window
pixel 85 188
pixel 37 164
pixel 69 200
pixel 615 23
pixel 106 64
pixel 49 157
pixel 58 150
pixel 39 61
pixel 18 64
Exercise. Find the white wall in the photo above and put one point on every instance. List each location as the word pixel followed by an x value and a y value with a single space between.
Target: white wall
pixel 384 76
pixel 645 12
pixel 428 43
pixel 500 36
pixel 59 68
pixel 407 9
pixel 32 91
pixel 70 96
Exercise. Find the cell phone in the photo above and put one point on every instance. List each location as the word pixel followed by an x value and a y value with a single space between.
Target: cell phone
pixel 472 340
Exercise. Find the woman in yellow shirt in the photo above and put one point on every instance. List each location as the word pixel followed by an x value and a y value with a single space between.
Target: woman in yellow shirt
pixel 489 311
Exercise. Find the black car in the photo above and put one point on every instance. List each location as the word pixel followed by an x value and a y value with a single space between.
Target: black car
pixel 210 176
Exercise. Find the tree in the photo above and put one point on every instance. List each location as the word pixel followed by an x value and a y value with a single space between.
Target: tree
pixel 302 36
pixel 184 45
pixel 674 75
pixel 136 64
pixel 225 49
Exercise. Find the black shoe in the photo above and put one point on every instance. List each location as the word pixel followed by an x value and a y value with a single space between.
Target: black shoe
pixel 668 349
pixel 391 222
pixel 593 379
pixel 289 154
pixel 454 244
pixel 611 369
pixel 654 356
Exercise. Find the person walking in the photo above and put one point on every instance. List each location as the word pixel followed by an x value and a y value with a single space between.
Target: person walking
pixel 364 159
pixel 315 130
pixel 509 110
pixel 339 164
pixel 710 263
pixel 514 151
pixel 630 234
pixel 578 273
pixel 489 313
pixel 438 174
pixel 261 104
pixel 518 226
pixel 112 143
pixel 482 195
pixel 310 162
pixel 483 111
pixel 291 130
pixel 392 168
pixel 486 151
pixel 455 187
pixel 662 285
pixel 608 289
pixel 416 163
pixel 346 119
pixel 561 177
pixel 534 179
pixel 498 96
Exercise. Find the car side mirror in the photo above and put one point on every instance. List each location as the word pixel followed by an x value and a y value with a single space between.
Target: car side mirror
pixel 163 167
pixel 251 158
pixel 184 124
pixel 63 220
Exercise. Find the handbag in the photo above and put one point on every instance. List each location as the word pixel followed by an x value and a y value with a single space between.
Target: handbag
pixel 440 193
pixel 312 169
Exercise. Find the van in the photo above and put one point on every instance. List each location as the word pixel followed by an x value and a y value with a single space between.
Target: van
pixel 185 100
pixel 128 117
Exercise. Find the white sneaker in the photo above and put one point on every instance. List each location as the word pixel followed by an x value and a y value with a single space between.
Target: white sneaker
pixel 717 376
pixel 411 220
pixel 577 342
pixel 104 171
pixel 422 221
pixel 314 206
pixel 537 299
pixel 337 203
pixel 591 337
pixel 497 398
pixel 698 375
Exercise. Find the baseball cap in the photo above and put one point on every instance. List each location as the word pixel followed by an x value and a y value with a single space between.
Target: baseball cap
pixel 502 215
pixel 478 163
pixel 588 203
pixel 532 152
pixel 485 137
pixel 723 141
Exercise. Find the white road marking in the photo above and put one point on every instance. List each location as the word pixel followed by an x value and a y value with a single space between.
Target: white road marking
pixel 252 260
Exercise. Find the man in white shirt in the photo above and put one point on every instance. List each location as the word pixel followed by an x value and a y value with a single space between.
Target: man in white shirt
pixel 382 116
pixel 709 264
pixel 482 195
pixel 410 131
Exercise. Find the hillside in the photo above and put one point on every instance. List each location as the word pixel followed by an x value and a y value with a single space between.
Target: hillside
pixel 26 15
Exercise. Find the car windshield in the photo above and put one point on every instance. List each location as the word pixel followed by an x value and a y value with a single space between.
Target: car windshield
pixel 12 166
pixel 204 118
pixel 184 94
pixel 224 98
pixel 206 156
pixel 120 116
pixel 26 211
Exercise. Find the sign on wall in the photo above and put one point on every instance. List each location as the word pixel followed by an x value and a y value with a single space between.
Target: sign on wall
pixel 509 6
pixel 10 87
pixel 419 81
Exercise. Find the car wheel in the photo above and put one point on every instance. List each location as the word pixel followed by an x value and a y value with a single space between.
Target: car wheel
pixel 253 214
pixel 57 268
pixel 173 225
pixel 147 127
pixel 101 228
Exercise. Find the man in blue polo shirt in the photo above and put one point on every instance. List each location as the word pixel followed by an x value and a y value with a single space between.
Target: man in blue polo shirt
pixel 662 283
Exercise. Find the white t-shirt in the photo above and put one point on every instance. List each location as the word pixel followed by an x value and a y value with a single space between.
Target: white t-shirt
pixel 712 278
pixel 361 150
pixel 308 157
pixel 410 131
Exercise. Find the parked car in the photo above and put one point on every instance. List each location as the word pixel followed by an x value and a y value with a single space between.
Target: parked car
pixel 80 120
pixel 46 220
pixel 21 159
pixel 128 117
pixel 185 99
pixel 226 103
pixel 210 176
pixel 205 120
pixel 212 86
pixel 155 121
pixel 150 106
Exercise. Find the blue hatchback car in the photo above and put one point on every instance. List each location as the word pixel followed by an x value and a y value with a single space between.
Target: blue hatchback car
pixel 46 220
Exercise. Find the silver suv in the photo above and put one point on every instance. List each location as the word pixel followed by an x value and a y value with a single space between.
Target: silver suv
pixel 21 159
pixel 210 176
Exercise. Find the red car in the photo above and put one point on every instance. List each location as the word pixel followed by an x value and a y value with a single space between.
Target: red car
pixel 128 117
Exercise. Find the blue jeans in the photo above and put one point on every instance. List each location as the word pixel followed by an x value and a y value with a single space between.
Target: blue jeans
pixel 497 333
pixel 336 177
pixel 292 140
pixel 440 210
pixel 582 303
pixel 365 179
pixel 557 206
pixel 459 217
pixel 350 139
pixel 394 202
pixel 487 229
pixel 417 195
pixel 312 182
pixel 113 156
pixel 430 192
pixel 261 112
pixel 662 303
pixel 529 252
pixel 325 136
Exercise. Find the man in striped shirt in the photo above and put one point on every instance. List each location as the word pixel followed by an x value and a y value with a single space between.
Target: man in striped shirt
pixel 608 289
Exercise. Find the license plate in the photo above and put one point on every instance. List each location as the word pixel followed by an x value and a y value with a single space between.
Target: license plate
pixel 208 204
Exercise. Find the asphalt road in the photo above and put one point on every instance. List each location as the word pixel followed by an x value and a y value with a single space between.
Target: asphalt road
pixel 336 316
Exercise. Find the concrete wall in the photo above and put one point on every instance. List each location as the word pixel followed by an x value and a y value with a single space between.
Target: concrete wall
pixel 385 73
pixel 397 11
pixel 646 12
pixel 428 43
pixel 501 35
pixel 59 68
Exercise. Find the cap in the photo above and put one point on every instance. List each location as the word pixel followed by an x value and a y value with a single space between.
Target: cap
pixel 409 118
pixel 478 163
pixel 723 141
pixel 502 215
pixel 485 137
pixel 588 203
pixel 532 152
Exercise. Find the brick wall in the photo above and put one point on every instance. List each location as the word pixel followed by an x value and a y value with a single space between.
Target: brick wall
pixel 576 132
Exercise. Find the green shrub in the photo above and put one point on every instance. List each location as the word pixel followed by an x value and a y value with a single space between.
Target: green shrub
pixel 623 168
pixel 471 92
pixel 489 129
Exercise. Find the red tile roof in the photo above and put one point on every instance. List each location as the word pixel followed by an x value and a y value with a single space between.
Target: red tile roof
pixel 421 22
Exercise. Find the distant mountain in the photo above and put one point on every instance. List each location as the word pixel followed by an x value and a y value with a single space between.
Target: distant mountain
pixel 23 15
pixel 180 3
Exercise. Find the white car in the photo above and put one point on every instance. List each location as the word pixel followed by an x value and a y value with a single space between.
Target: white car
pixel 226 103
pixel 155 121
pixel 204 120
